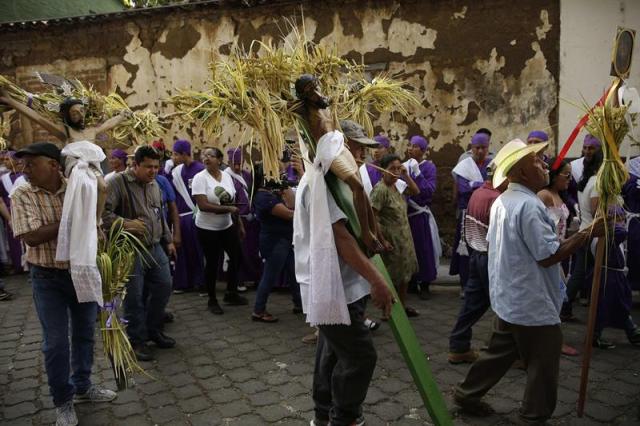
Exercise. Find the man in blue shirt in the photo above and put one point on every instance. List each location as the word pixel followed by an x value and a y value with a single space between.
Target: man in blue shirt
pixel 525 287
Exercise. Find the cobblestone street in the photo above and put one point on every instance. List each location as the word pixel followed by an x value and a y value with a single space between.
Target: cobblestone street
pixel 230 370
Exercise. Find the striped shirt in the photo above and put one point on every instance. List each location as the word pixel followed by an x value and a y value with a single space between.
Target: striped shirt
pixel 31 208
pixel 476 220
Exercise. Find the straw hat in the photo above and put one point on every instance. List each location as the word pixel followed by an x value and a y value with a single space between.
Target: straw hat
pixel 509 155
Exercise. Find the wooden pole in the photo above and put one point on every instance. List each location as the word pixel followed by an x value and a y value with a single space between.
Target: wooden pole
pixel 591 324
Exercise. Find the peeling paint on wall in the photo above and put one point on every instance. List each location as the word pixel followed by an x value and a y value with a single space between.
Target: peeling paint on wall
pixel 466 73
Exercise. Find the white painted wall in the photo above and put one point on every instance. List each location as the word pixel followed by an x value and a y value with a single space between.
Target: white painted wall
pixel 587 31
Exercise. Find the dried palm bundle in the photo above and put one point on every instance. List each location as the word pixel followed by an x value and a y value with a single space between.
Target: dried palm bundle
pixel 255 87
pixel 140 128
pixel 608 123
pixel 14 91
pixel 116 256
pixel 364 100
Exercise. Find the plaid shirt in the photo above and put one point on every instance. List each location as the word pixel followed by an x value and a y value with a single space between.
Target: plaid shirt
pixel 31 208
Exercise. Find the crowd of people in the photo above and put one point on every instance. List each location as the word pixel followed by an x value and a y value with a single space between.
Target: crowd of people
pixel 204 216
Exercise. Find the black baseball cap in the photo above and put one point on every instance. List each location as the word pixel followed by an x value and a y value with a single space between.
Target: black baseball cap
pixel 45 149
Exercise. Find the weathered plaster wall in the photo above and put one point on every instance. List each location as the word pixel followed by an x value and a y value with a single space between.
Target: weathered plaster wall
pixel 586 40
pixel 474 64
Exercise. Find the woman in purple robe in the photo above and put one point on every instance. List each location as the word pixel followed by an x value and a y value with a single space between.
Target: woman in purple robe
pixel 421 220
pixel 631 194
pixel 189 266
pixel 8 183
pixel 250 263
pixel 614 303
pixel 469 175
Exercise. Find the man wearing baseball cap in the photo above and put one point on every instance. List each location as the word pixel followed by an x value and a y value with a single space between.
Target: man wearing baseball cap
pixel 525 286
pixel 36 211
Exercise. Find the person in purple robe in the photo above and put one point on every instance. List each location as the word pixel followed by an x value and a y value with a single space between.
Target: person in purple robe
pixel 538 136
pixel 9 181
pixel 189 265
pixel 631 194
pixel 614 303
pixel 469 175
pixel 421 220
pixel 250 263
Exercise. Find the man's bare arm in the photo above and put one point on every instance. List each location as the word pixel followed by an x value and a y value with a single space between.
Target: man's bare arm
pixel 41 235
pixel 352 255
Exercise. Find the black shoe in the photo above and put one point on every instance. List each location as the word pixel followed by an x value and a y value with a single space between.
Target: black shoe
pixel 634 337
pixel 602 344
pixel 5 295
pixel 234 299
pixel 162 340
pixel 142 352
pixel 297 310
pixel 215 308
pixel 168 317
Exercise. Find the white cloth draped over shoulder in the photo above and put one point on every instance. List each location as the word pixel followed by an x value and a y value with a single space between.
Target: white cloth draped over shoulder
pixel 469 170
pixel 9 186
pixel 324 302
pixel 577 167
pixel 78 235
pixel 182 189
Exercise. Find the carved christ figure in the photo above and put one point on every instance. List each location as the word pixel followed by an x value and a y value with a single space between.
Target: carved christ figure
pixel 315 111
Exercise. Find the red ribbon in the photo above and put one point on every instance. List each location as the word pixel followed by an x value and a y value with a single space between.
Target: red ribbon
pixel 574 134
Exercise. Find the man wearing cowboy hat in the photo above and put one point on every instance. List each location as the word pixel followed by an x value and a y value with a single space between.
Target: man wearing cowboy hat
pixel 525 286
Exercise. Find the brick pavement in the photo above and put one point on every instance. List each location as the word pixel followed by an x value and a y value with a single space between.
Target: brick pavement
pixel 229 370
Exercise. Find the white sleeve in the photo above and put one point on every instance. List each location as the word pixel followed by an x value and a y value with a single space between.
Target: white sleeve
pixel 199 185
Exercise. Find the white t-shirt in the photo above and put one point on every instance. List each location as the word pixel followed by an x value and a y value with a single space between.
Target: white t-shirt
pixel 584 202
pixel 205 184
pixel 355 286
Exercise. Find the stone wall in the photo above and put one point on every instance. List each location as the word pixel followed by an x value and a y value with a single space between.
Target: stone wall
pixel 475 64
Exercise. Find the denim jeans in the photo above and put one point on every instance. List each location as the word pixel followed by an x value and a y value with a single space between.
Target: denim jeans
pixel 345 360
pixel 278 255
pixel 583 264
pixel 475 304
pixel 146 316
pixel 55 298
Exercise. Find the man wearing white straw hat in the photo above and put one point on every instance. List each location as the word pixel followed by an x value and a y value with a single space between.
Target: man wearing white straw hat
pixel 525 286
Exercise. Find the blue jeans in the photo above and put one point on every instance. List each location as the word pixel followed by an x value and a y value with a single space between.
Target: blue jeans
pixel 277 252
pixel 475 304
pixel 145 316
pixel 55 297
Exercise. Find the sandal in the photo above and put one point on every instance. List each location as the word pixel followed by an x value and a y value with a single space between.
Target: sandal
pixel 263 317
pixel 411 312
pixel 569 350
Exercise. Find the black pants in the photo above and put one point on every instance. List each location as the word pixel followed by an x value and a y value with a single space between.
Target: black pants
pixel 214 244
pixel 583 264
pixel 538 347
pixel 475 304
pixel 345 360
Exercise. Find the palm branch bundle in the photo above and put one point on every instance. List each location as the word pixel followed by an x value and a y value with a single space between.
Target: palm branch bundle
pixel 254 87
pixel 608 123
pixel 116 256
pixel 140 128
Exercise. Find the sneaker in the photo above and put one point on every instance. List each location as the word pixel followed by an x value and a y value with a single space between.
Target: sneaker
pixel 178 291
pixel 468 357
pixel 357 422
pixel 371 324
pixel 66 415
pixel 95 394
pixel 242 288
pixel 234 299
pixel 602 344
pixel 5 295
